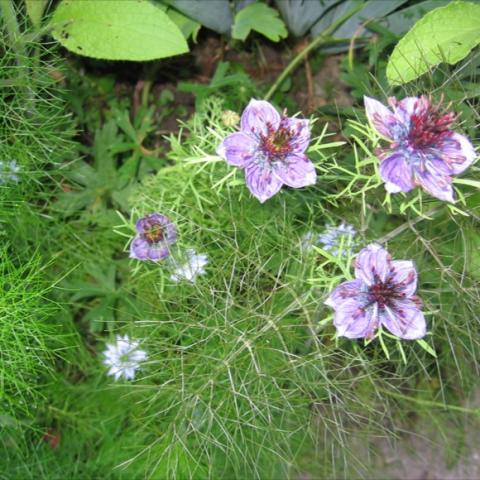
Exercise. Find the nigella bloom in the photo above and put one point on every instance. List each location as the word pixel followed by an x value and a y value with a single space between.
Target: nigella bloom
pixel 424 150
pixel 192 267
pixel 271 149
pixel 383 293
pixel 8 172
pixel 333 238
pixel 124 357
pixel 155 234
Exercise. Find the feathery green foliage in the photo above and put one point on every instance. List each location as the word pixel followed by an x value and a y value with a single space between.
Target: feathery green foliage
pixel 245 377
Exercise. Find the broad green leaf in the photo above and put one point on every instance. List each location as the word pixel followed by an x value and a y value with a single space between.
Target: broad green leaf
pixel 262 19
pixel 35 9
pixel 214 14
pixel 401 21
pixel 356 25
pixel 372 10
pixel 188 27
pixel 446 34
pixel 300 15
pixel 117 30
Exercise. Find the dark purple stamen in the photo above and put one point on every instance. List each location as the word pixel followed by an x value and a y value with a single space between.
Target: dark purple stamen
pixel 429 124
pixel 153 233
pixel 277 144
pixel 385 293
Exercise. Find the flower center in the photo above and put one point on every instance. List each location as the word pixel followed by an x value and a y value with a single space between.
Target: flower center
pixel 383 293
pixel 429 124
pixel 154 233
pixel 125 357
pixel 277 144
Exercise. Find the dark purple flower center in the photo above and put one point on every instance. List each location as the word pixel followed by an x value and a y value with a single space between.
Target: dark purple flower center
pixel 429 125
pixel 277 143
pixel 384 293
pixel 154 233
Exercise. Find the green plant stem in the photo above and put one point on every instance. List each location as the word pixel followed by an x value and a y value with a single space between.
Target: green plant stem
pixel 10 20
pixel 405 226
pixel 17 42
pixel 323 38
pixel 430 403
pixel 9 15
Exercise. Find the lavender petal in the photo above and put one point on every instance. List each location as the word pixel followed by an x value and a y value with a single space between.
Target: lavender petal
pixel 404 274
pixel 352 320
pixel 458 152
pixel 346 291
pixel 139 248
pixel 301 138
pixel 237 149
pixel 297 171
pixel 405 320
pixel 435 183
pixel 158 252
pixel 381 119
pixel 171 235
pixel 373 261
pixel 397 173
pixel 261 182
pixel 406 107
pixel 257 116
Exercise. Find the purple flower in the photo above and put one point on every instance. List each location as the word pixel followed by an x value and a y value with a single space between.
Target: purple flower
pixel 383 293
pixel 271 149
pixel 424 150
pixel 155 234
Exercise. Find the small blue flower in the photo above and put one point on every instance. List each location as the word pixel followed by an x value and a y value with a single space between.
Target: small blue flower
pixel 124 357
pixel 191 268
pixel 336 240
pixel 8 172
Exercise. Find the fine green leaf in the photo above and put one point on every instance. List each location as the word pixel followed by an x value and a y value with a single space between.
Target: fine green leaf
pixel 35 9
pixel 446 34
pixel 427 347
pixel 117 30
pixel 262 19
pixel 467 181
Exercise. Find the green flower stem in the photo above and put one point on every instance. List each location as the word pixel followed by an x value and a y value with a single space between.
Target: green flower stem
pixel 408 224
pixel 322 39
